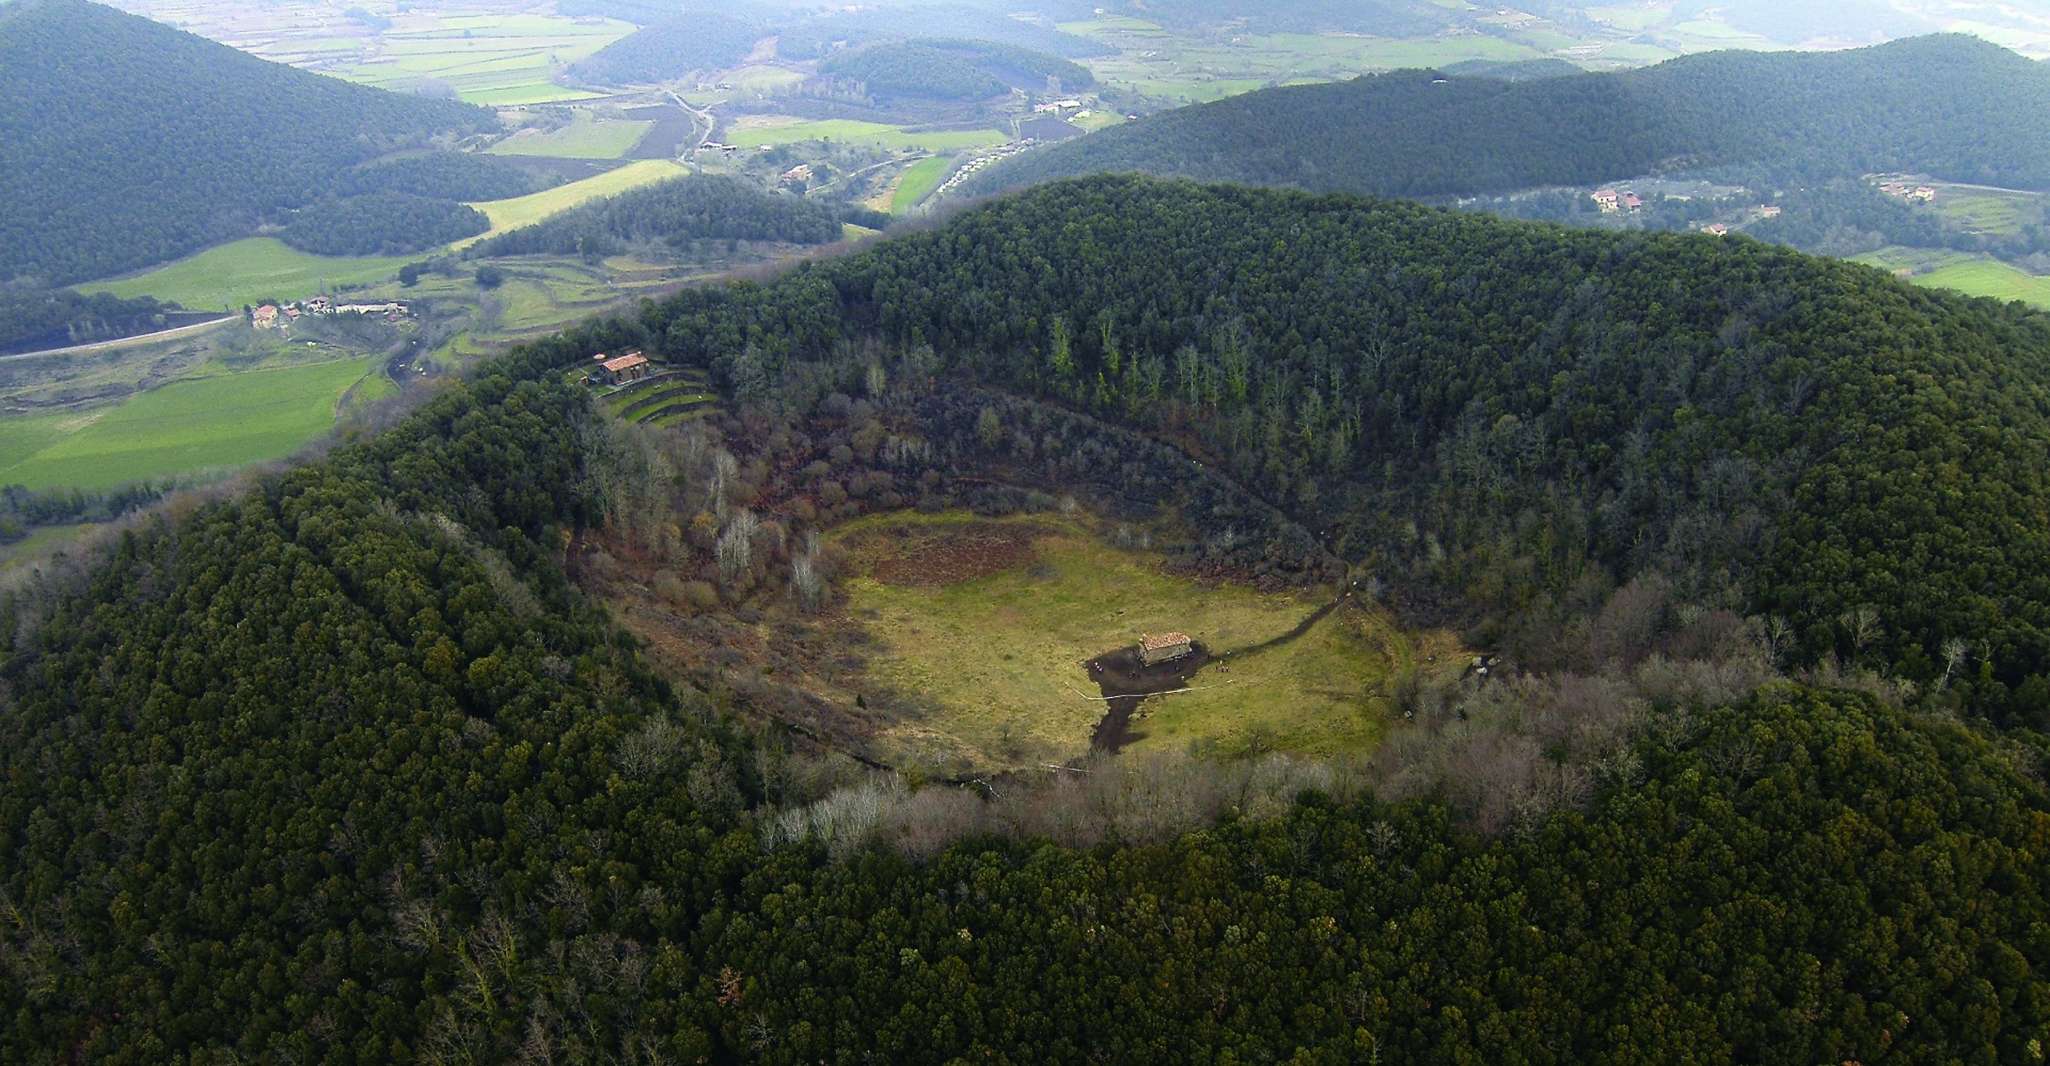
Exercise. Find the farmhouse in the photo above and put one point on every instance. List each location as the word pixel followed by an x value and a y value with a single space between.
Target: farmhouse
pixel 1716 229
pixel 1609 200
pixel 1631 201
pixel 1162 647
pixel 265 317
pixel 1769 211
pixel 633 366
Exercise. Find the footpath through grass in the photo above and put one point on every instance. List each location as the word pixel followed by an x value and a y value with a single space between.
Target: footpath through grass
pixel 998 653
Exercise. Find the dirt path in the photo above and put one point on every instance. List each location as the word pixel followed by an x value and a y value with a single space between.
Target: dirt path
pixel 140 339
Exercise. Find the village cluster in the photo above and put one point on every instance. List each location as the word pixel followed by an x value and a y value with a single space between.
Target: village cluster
pixel 1613 201
pixel 274 316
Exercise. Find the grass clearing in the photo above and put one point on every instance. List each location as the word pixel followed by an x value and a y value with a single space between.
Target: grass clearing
pixel 998 653
pixel 586 137
pixel 228 276
pixel 185 428
pixel 41 542
pixel 756 131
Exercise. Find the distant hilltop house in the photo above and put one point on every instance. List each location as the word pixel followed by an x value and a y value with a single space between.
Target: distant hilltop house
pixel 1769 211
pixel 265 317
pixel 798 175
pixel 319 305
pixel 633 366
pixel 1901 190
pixel 1156 648
pixel 1614 200
pixel 1716 229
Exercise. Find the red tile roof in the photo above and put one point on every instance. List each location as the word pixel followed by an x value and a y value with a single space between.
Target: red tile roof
pixel 625 362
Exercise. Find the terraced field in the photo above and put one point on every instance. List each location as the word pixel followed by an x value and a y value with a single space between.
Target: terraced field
pixel 666 398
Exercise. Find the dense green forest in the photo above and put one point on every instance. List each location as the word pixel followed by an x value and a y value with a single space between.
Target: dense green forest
pixel 941 69
pixel 55 318
pixel 1954 106
pixel 380 224
pixel 701 40
pixel 676 212
pixel 131 143
pixel 344 766
pixel 467 177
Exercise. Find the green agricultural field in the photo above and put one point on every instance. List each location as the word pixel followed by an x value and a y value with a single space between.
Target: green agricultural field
pixel 495 59
pixel 229 276
pixel 1990 277
pixel 757 131
pixel 998 653
pixel 527 210
pixel 1201 67
pixel 918 182
pixel 196 427
pixel 586 137
pixel 1989 212
pixel 1965 272
pixel 763 79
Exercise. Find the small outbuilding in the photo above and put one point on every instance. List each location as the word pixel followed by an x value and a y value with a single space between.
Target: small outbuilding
pixel 1155 648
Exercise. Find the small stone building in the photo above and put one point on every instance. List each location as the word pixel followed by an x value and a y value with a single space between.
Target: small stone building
pixel 633 366
pixel 1155 648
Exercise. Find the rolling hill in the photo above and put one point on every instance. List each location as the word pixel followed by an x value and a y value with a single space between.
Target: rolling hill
pixel 700 40
pixel 1953 105
pixel 678 211
pixel 347 766
pixel 130 143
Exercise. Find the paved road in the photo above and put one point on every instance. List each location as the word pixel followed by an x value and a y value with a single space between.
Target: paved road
pixel 136 341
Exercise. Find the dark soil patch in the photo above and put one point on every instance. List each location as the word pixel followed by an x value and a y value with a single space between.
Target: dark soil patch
pixel 1126 681
pixel 930 557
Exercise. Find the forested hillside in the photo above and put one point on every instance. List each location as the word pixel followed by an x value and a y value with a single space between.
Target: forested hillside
pixel 700 40
pixel 344 768
pixel 380 224
pixel 676 212
pixel 465 177
pixel 1954 106
pixel 951 69
pixel 130 143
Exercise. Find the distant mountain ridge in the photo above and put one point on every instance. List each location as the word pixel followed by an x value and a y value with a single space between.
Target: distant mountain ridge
pixel 1951 104
pixel 130 143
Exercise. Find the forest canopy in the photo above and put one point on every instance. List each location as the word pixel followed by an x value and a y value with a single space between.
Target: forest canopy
pixel 677 211
pixel 101 105
pixel 381 224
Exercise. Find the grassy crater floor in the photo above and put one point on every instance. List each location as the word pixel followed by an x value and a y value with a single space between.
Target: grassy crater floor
pixel 988 624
